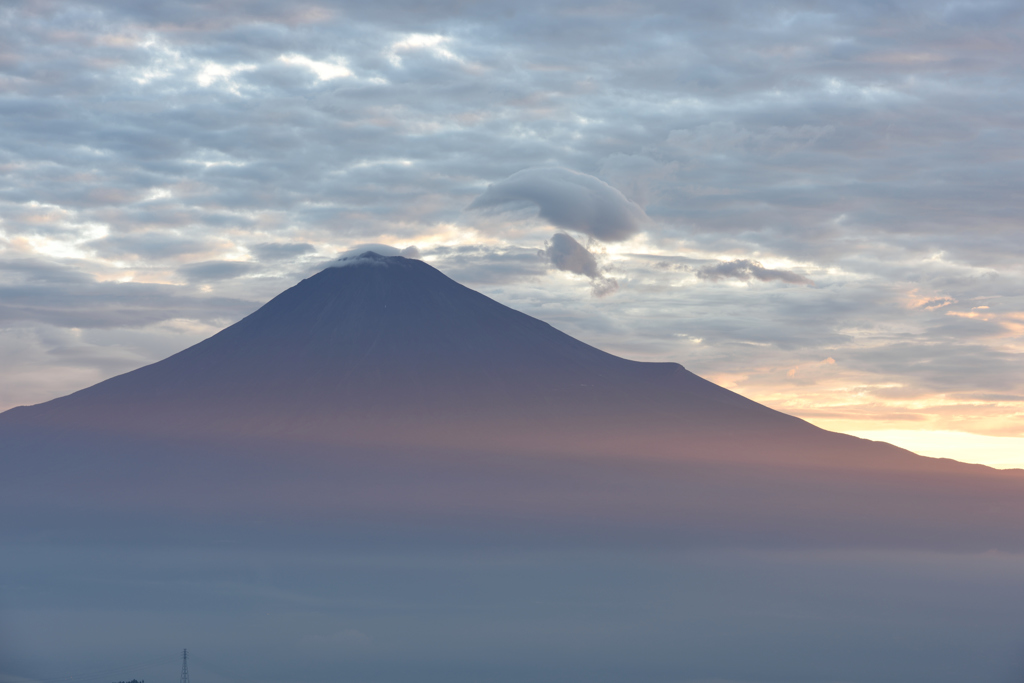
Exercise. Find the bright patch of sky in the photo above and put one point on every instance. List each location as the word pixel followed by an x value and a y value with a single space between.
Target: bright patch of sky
pixel 324 70
pixel 433 44
pixel 1005 452
pixel 211 73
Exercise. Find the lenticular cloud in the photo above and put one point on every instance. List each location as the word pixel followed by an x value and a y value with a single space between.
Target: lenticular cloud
pixel 570 200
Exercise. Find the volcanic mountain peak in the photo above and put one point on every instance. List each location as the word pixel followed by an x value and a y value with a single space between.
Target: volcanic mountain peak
pixel 368 257
pixel 386 348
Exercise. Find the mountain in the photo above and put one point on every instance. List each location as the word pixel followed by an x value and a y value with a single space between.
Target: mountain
pixel 382 475
pixel 388 350
pixel 383 389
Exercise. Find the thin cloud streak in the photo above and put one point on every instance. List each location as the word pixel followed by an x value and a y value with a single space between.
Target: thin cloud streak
pixel 745 270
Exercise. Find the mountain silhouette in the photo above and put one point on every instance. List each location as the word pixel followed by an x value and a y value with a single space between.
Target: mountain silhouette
pixel 381 389
pixel 386 349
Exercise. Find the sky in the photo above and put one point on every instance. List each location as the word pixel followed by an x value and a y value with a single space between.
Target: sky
pixel 814 204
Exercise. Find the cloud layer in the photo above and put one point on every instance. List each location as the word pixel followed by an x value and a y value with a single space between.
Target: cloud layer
pixel 165 167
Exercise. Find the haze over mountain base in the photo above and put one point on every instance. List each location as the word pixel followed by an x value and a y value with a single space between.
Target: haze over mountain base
pixel 368 612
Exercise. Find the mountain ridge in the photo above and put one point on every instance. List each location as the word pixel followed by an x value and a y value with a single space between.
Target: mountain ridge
pixel 384 350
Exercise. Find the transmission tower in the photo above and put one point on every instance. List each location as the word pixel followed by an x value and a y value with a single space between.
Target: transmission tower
pixel 184 666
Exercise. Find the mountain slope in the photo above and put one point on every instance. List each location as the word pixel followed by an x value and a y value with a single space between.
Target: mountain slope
pixel 388 350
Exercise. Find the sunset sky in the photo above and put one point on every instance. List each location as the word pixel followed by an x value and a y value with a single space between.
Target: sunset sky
pixel 815 204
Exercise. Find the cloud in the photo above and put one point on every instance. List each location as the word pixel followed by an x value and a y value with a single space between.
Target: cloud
pixel 356 254
pixel 725 137
pixel 360 249
pixel 325 71
pixel 149 245
pixel 568 199
pixel 746 270
pixel 480 265
pixel 431 43
pixel 565 253
pixel 382 249
pixel 936 303
pixel 209 271
pixel 635 175
pixel 280 251
pixel 54 294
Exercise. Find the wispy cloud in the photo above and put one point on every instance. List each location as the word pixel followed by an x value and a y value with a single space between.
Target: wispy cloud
pixel 745 270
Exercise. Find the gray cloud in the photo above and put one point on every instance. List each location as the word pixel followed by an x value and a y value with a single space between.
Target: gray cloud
pixel 565 253
pixel 151 245
pixel 57 294
pixel 482 266
pixel 209 271
pixel 568 199
pixel 280 251
pixel 745 269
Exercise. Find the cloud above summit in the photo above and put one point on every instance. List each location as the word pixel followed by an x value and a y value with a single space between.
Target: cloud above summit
pixel 569 200
pixel 359 253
